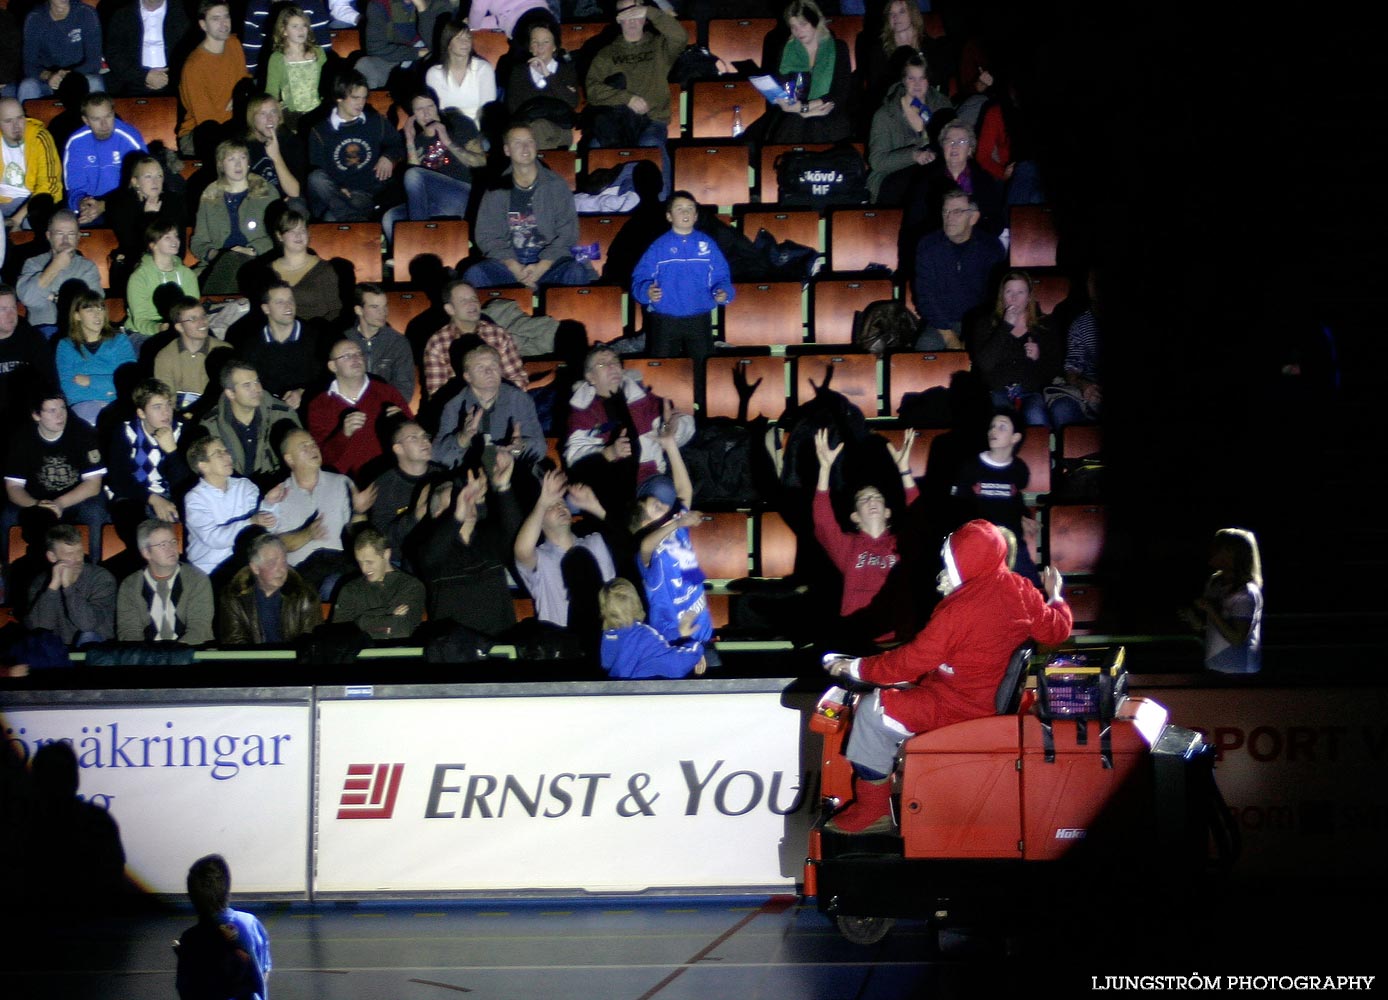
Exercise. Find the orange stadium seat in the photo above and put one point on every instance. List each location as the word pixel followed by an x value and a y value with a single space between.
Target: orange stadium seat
pixel 490 44
pixel 1079 440
pixel 669 378
pixel 763 313
pixel 447 239
pixel 734 39
pixel 1050 290
pixel 833 301
pixel 602 159
pixel 346 41
pixel 720 542
pixel 358 243
pixel 115 310
pixel 714 175
pixel 598 307
pixel 917 371
pixel 718 609
pixel 600 229
pixel 711 104
pixel 799 225
pixel 403 307
pixel 518 294
pixel 862 236
pixel 45 109
pixel 573 35
pixel 1033 236
pixel 1036 453
pixel 155 117
pixel 563 162
pixel 776 545
pixel 385 104
pixel 853 375
pixel 720 388
pixel 920 451
pixel 96 245
pixel 676 127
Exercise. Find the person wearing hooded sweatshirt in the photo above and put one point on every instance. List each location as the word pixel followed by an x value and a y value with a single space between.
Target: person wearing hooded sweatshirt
pixel 952 667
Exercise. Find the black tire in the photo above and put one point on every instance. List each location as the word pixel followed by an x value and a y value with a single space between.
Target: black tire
pixel 864 930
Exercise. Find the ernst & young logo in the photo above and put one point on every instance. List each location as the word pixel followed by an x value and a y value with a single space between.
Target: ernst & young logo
pixel 369 791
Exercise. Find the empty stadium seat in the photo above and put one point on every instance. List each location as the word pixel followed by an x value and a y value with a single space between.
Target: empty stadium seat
pixel 573 35
pixel 155 117
pixel 446 239
pixel 96 245
pixel 115 310
pixel 799 225
pixel 833 301
pixel 600 229
pixel 490 44
pixel 917 371
pixel 859 237
pixel 720 389
pixel 1079 440
pixel 1036 453
pixel 564 163
pixel 853 375
pixel 518 294
pixel 402 307
pixel 720 542
pixel 45 109
pixel 734 39
pixel 711 104
pixel 598 307
pixel 359 243
pixel 669 378
pixel 346 41
pixel 713 174
pixel 718 609
pixel 776 546
pixel 1033 237
pixel 1074 538
pixel 603 159
pixel 1086 600
pixel 543 371
pixel 764 313
pixel 1050 290
pixel 384 103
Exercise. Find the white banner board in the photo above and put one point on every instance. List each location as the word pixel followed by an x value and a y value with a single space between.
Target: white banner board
pixel 187 780
pixel 600 793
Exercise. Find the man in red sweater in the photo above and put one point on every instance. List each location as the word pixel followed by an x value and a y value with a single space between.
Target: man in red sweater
pixel 952 668
pixel 344 420
pixel 875 594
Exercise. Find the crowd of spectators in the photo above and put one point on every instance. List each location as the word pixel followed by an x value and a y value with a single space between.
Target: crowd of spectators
pixel 256 410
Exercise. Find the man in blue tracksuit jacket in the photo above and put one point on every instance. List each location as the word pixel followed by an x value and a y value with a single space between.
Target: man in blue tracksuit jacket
pixel 680 280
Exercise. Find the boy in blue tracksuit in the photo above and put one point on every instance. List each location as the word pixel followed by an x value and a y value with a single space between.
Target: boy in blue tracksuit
pixel 680 280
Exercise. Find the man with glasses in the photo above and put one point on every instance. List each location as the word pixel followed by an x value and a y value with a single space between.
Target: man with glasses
pixel 345 420
pixel 43 277
pixel 167 601
pixel 953 271
pixel 182 364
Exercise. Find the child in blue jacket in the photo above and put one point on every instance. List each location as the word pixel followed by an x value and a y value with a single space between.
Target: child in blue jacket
pixel 631 649
pixel 680 280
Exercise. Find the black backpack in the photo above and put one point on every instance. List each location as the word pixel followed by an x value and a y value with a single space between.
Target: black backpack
pixel 720 464
pixel 836 176
pixel 884 325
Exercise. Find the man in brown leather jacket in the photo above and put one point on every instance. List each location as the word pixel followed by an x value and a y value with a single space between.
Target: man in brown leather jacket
pixel 266 601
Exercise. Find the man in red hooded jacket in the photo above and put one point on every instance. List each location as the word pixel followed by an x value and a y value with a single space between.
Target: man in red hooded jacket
pixel 953 666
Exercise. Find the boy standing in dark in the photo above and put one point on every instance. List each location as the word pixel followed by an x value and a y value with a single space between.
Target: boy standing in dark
pixel 226 954
pixel 680 280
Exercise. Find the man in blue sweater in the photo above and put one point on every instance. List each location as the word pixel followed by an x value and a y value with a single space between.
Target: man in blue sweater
pixel 954 267
pixel 353 153
pixel 680 280
pixel 60 37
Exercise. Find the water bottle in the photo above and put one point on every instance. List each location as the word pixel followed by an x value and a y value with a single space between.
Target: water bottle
pixel 737 120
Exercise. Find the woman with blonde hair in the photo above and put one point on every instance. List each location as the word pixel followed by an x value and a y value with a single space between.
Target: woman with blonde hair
pixel 230 228
pixel 1017 351
pixel 88 356
pixel 276 153
pixel 1230 611
pixel 296 65
pixel 631 649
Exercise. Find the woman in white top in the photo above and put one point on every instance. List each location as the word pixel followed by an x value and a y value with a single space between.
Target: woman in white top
pixel 1230 612
pixel 462 79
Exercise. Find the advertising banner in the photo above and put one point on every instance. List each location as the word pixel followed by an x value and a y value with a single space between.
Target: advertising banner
pixel 187 780
pixel 598 793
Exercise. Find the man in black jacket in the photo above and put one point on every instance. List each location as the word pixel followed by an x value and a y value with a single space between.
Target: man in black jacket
pixel 146 39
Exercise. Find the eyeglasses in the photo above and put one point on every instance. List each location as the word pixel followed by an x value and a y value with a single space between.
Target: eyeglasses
pixel 956 142
pixel 168 543
pixel 348 356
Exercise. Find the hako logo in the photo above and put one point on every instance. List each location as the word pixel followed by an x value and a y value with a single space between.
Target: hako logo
pixel 369 791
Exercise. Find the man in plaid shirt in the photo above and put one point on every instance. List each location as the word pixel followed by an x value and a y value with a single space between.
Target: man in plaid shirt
pixel 464 309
